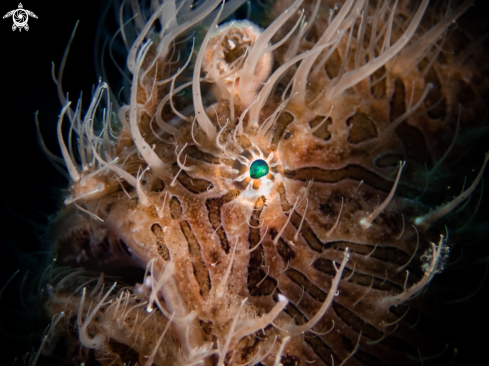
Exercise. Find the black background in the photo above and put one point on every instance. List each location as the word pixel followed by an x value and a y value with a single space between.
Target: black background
pixel 30 186
pixel 29 189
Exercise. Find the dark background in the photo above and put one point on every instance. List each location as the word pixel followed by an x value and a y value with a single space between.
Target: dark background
pixel 29 186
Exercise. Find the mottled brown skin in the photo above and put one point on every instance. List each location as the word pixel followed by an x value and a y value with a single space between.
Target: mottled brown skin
pixel 352 162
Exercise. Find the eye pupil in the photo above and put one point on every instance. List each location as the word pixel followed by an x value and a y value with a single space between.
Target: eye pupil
pixel 259 168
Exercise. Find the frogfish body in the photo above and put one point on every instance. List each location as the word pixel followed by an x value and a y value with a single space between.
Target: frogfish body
pixel 267 194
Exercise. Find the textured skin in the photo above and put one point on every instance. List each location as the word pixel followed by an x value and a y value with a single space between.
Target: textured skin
pixel 323 182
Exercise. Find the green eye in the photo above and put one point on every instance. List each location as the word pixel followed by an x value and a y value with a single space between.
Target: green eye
pixel 259 168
